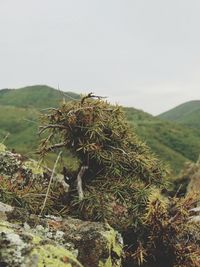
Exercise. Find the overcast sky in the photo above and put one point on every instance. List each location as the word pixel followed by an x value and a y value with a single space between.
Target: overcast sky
pixel 140 53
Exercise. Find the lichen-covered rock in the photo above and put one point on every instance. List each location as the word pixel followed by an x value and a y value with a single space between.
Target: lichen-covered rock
pixel 4 210
pixel 50 239
pixel 97 243
pixel 21 248
pixel 13 166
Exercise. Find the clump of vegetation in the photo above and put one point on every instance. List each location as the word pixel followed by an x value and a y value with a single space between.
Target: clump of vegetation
pixel 122 183
pixel 31 196
pixel 119 169
pixel 98 134
pixel 119 181
pixel 167 237
pixel 23 183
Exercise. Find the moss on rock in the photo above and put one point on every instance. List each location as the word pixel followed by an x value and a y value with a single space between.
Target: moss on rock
pixel 114 246
pixel 21 248
pixel 49 255
pixel 50 241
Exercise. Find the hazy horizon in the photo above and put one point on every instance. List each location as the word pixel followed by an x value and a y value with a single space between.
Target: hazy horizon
pixel 142 54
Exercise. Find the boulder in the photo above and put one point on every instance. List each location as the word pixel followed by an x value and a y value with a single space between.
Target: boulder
pixel 30 240
pixel 22 248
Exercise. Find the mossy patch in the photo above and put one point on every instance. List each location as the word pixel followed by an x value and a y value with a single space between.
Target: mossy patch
pixel 6 227
pixel 2 147
pixel 34 166
pixel 23 248
pixel 49 255
pixel 114 247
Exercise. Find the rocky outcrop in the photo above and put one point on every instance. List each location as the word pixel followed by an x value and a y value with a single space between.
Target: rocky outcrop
pixel 21 170
pixel 29 240
pixel 21 248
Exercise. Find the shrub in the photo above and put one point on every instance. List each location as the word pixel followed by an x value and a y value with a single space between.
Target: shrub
pixel 168 236
pixel 121 184
pixel 98 134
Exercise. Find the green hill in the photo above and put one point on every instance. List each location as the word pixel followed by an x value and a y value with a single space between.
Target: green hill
pixel 20 108
pixel 187 113
pixel 172 142
pixel 19 112
pixel 21 126
pixel 38 96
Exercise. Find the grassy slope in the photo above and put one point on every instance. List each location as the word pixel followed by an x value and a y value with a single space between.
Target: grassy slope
pixel 20 124
pixel 19 113
pixel 187 113
pixel 38 96
pixel 172 142
pixel 20 108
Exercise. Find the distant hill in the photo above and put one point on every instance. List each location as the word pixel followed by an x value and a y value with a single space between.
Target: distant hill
pixel 187 113
pixel 172 142
pixel 20 109
pixel 38 96
pixel 19 113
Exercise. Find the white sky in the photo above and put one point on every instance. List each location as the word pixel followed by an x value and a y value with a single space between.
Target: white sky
pixel 140 53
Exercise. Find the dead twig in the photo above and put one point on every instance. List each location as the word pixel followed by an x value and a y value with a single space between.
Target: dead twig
pixel 50 109
pixel 91 95
pixel 5 138
pixel 49 185
pixel 56 146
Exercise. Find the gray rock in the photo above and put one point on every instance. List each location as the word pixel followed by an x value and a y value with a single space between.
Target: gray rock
pixel 32 240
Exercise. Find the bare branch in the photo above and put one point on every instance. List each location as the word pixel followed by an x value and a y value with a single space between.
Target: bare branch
pixel 5 138
pixel 57 146
pixel 49 185
pixel 91 95
pixel 50 109
pixel 79 182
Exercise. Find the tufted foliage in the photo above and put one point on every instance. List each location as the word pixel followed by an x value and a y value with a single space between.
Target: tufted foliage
pixel 122 184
